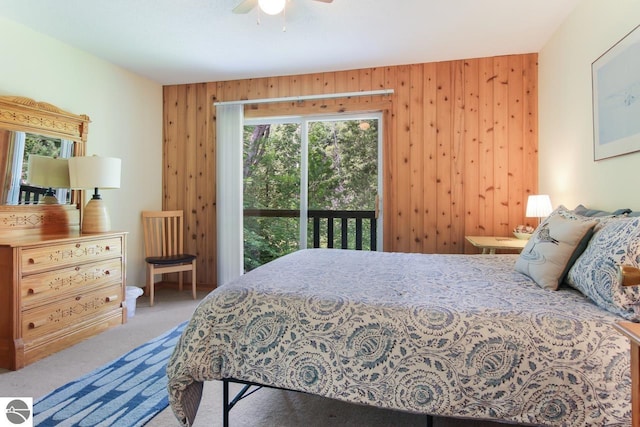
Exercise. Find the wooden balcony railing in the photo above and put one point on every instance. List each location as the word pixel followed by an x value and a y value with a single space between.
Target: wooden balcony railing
pixel 324 223
pixel 30 194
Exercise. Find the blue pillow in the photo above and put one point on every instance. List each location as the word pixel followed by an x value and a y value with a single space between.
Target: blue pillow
pixel 584 211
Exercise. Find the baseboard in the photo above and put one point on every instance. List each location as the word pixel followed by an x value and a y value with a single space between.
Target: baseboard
pixel 185 286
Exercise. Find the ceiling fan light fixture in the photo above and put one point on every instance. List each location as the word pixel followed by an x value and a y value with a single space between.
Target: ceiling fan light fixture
pixel 271 7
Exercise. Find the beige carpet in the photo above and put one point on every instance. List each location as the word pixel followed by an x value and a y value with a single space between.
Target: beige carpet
pixel 264 408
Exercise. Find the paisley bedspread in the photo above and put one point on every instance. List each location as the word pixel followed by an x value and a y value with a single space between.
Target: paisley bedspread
pixel 451 335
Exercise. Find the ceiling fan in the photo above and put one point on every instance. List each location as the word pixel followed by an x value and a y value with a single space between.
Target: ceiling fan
pixel 271 7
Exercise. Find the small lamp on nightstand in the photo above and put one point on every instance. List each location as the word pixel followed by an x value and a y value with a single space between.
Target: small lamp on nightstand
pixel 94 172
pixel 538 206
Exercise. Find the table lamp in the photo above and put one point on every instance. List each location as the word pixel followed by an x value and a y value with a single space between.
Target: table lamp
pixel 49 173
pixel 538 206
pixel 95 172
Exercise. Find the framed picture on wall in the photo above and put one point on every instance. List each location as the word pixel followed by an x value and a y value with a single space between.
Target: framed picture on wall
pixel 616 98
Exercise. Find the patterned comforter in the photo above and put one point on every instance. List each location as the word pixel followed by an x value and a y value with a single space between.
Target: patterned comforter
pixel 451 335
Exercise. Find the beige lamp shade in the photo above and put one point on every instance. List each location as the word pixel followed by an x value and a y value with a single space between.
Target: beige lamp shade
pixel 48 172
pixel 95 172
pixel 538 206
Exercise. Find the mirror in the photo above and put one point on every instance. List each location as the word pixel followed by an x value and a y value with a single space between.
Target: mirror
pixel 43 129
pixel 28 177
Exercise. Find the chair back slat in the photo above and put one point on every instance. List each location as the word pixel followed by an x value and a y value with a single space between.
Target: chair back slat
pixel 163 232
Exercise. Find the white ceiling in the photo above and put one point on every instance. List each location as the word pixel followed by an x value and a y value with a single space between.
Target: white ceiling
pixel 191 41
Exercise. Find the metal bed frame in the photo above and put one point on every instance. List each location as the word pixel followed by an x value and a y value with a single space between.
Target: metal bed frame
pixel 250 388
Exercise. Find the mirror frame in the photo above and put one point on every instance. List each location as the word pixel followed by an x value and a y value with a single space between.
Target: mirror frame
pixel 27 115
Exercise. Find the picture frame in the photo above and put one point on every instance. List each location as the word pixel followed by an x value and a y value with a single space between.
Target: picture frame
pixel 616 98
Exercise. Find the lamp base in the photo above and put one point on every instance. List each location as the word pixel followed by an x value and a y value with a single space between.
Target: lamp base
pixel 95 218
pixel 49 200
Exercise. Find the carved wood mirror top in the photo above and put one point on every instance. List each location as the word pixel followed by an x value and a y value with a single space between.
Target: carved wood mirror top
pixel 21 114
pixel 27 115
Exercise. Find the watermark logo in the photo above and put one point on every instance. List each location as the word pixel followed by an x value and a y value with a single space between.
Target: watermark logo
pixel 16 412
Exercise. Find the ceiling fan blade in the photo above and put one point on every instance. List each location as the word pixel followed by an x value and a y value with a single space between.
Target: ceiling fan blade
pixel 245 6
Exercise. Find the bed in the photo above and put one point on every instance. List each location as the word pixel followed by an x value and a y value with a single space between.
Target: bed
pixel 468 336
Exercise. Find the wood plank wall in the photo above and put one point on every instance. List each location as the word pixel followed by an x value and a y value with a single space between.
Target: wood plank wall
pixel 460 147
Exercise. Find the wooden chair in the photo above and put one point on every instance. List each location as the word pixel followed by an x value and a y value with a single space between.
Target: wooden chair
pixel 163 246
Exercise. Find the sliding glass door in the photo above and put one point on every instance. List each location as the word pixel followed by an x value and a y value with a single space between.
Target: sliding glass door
pixel 310 182
pixel 271 191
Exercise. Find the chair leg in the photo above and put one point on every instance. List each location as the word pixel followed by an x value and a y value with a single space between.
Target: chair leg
pixel 193 279
pixel 180 279
pixel 150 284
pixel 146 281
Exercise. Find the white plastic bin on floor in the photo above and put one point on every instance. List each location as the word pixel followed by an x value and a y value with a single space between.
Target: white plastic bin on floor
pixel 133 292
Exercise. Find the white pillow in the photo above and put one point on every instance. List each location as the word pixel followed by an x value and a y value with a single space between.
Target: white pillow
pixel 553 247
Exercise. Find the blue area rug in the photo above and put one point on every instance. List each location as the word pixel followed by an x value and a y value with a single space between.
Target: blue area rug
pixel 127 392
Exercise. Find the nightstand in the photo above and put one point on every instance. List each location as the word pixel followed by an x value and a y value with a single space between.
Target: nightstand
pixel 489 244
pixel 632 331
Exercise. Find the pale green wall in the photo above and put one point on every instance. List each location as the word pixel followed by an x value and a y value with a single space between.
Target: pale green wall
pixel 567 170
pixel 126 119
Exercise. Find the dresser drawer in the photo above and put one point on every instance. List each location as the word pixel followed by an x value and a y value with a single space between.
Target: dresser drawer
pixel 51 285
pixel 65 313
pixel 64 254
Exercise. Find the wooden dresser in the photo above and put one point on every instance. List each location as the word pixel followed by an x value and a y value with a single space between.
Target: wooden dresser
pixel 57 286
pixel 56 290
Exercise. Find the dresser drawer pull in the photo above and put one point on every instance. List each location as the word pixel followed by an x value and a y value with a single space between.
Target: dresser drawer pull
pixel 78 245
pixel 31 291
pixel 77 269
pixel 37 323
pixel 112 298
pixel 107 248
pixel 31 261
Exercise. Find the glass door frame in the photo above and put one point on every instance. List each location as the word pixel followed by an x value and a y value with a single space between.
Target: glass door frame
pixel 303 121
